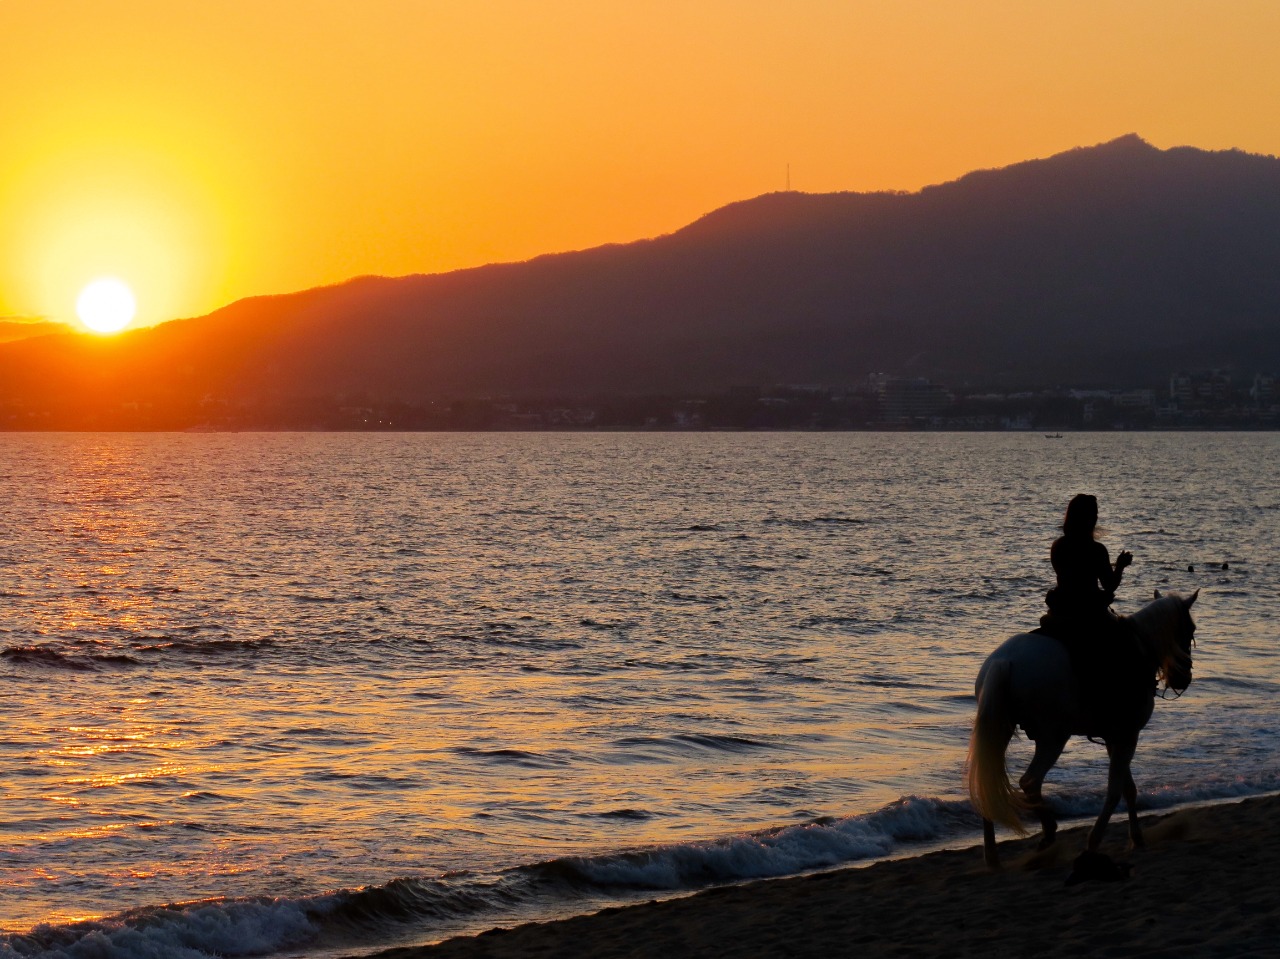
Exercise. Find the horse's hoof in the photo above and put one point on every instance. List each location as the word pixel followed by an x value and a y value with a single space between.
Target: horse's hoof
pixel 1095 865
pixel 1048 835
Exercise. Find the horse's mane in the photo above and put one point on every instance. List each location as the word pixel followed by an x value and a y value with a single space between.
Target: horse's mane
pixel 1160 624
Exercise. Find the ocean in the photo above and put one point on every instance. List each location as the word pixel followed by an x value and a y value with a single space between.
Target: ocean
pixel 319 694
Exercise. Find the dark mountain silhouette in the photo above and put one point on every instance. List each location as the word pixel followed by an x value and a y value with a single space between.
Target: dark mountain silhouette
pixel 1107 265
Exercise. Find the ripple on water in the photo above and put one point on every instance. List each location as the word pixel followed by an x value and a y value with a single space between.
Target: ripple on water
pixel 366 657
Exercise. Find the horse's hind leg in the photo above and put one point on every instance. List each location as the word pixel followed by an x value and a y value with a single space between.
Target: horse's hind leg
pixel 1048 749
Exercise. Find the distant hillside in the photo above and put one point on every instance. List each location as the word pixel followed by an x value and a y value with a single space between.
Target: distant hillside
pixel 1108 265
pixel 12 328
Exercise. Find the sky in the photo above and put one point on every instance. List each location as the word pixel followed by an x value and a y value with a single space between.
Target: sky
pixel 207 151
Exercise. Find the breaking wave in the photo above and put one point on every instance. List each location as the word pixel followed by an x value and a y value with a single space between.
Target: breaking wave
pixel 421 910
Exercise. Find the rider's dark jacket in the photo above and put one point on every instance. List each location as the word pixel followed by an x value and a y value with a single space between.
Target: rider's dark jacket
pixel 1086 581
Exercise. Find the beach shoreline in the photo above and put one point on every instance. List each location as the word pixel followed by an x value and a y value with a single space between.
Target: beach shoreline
pixel 1200 888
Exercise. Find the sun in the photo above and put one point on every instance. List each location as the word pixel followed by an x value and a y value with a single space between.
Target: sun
pixel 106 305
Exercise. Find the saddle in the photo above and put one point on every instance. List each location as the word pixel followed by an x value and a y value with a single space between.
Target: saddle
pixel 1107 664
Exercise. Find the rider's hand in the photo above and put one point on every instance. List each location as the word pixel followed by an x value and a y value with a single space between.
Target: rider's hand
pixel 1124 559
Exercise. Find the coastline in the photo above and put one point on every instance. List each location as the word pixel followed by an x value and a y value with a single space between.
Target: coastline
pixel 1200 888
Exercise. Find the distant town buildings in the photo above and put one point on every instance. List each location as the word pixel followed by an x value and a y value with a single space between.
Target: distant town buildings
pixel 1194 399
pixel 904 401
pixel 1200 390
pixel 1263 391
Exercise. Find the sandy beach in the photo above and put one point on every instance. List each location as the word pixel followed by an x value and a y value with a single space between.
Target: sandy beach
pixel 1204 886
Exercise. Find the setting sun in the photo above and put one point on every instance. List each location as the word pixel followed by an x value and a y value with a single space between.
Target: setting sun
pixel 106 305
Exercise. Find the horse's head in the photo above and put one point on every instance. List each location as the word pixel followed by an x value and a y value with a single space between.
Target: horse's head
pixel 1173 648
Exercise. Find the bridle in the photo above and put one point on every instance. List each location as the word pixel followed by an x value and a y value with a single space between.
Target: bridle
pixel 1187 625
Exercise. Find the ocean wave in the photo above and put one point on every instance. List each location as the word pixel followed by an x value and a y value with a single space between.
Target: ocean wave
pixel 1238 683
pixel 52 658
pixel 775 852
pixel 206 647
pixel 606 626
pixel 512 757
pixel 424 909
pixel 198 930
pixel 695 598
pixel 816 521
pixel 910 822
pixel 659 748
pixel 1085 802
pixel 833 619
pixel 262 926
pixel 635 815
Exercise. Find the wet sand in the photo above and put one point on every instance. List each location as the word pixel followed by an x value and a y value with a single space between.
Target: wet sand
pixel 1208 884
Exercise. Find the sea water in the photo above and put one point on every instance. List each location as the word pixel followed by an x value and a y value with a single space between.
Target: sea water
pixel 306 693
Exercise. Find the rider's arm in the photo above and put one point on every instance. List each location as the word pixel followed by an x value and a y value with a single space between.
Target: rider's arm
pixel 1109 576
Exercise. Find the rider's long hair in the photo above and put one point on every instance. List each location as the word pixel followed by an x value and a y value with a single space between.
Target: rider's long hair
pixel 1082 516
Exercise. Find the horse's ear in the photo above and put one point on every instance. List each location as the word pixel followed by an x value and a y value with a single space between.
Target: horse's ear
pixel 1192 598
pixel 1157 596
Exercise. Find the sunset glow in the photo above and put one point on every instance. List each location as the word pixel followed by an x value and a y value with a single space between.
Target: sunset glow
pixel 106 305
pixel 192 149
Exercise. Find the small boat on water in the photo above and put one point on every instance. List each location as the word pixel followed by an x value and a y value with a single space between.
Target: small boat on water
pixel 1053 436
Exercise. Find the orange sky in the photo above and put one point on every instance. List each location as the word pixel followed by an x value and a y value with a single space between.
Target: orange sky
pixel 209 151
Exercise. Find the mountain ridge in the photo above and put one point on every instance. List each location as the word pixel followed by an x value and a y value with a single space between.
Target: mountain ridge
pixel 1104 264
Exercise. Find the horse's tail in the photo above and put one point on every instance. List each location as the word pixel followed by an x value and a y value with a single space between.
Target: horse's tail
pixel 990 791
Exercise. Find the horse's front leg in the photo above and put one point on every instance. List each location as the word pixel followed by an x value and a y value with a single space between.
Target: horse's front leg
pixel 1119 782
pixel 1048 749
pixel 1131 803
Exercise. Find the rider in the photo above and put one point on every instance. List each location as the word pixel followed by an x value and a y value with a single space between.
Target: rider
pixel 1087 581
pixel 1079 607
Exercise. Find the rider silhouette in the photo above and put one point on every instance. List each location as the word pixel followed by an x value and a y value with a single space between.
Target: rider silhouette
pixel 1087 581
pixel 1101 649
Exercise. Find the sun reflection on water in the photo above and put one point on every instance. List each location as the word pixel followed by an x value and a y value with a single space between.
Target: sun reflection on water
pixel 102 780
pixel 103 514
pixel 269 666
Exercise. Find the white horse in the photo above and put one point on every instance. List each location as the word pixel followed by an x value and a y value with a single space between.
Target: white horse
pixel 1029 682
